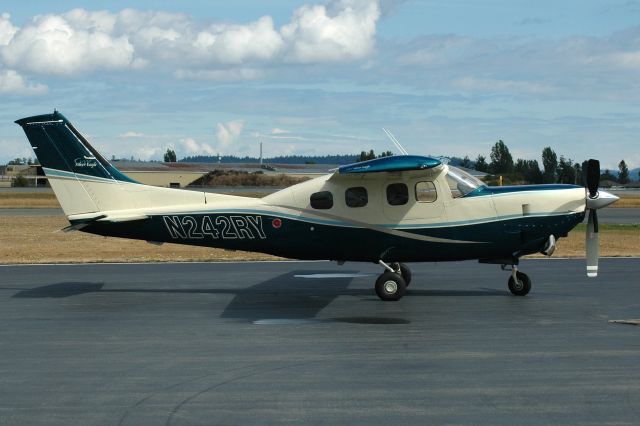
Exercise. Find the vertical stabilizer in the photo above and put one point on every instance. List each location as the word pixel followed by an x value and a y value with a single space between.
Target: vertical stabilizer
pixel 69 162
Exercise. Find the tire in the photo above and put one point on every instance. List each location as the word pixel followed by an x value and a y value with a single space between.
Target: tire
pixel 404 271
pixel 522 286
pixel 390 286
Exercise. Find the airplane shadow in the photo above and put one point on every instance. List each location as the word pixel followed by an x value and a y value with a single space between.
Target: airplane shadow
pixel 284 296
pixel 59 290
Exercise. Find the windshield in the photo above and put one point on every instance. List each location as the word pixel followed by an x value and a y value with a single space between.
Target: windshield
pixel 461 183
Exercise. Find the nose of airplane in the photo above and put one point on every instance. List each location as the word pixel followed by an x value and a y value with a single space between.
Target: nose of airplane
pixel 602 199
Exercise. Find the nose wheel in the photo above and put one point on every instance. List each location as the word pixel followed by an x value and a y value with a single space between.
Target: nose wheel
pixel 519 282
pixel 392 283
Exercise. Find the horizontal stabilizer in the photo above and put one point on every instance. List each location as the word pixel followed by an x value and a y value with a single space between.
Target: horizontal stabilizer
pixel 107 217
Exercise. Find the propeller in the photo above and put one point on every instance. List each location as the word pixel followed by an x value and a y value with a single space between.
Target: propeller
pixel 592 178
pixel 595 199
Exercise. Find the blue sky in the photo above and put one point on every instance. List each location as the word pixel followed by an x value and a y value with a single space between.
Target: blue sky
pixel 314 77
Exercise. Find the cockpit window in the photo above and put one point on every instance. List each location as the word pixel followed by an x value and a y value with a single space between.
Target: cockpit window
pixel 461 183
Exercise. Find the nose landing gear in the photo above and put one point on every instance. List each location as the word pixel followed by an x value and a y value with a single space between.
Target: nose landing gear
pixel 519 282
pixel 392 283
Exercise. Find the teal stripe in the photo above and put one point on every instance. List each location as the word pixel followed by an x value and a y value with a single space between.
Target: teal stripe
pixel 79 176
pixel 387 225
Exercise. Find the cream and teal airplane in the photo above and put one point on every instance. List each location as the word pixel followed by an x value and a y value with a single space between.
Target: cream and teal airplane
pixel 403 208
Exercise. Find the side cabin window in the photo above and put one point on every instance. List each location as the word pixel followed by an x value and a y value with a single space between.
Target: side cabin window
pixel 356 196
pixel 426 192
pixel 322 200
pixel 397 194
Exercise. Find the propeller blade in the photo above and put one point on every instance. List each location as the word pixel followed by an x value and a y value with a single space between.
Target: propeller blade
pixel 592 244
pixel 593 177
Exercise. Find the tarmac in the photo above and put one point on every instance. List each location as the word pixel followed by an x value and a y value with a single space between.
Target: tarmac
pixel 310 343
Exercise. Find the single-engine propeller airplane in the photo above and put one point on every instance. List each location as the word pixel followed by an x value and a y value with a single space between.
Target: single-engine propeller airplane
pixel 389 210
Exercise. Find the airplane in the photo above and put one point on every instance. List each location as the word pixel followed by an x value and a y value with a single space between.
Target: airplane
pixel 390 210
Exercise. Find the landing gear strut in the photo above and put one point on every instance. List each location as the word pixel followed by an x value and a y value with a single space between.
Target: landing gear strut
pixel 404 271
pixel 519 282
pixel 393 282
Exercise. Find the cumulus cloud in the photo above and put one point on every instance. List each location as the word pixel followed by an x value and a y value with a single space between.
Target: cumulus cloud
pixel 63 45
pixel 148 152
pixel 7 30
pixel 342 30
pixel 82 41
pixel 12 83
pixel 191 146
pixel 228 133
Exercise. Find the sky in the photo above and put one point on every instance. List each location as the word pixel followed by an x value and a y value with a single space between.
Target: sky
pixel 323 77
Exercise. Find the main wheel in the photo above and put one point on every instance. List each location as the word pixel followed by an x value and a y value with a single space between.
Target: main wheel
pixel 521 286
pixel 390 286
pixel 404 271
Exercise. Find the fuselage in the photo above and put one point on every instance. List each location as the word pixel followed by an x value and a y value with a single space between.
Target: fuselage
pixel 416 215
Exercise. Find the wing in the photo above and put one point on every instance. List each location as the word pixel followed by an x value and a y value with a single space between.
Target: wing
pixel 395 163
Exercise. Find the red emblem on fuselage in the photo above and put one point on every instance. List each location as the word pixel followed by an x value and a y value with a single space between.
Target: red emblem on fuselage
pixel 277 223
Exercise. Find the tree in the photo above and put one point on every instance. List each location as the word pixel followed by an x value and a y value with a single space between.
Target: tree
pixel 481 164
pixel 578 172
pixel 501 160
pixel 19 181
pixel 385 154
pixel 528 170
pixel 364 155
pixel 550 164
pixel 466 163
pixel 566 172
pixel 169 156
pixel 607 176
pixel 623 175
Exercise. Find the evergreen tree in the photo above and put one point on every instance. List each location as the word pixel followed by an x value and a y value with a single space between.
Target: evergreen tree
pixel 578 173
pixel 566 172
pixel 466 163
pixel 607 176
pixel 550 164
pixel 623 175
pixel 481 164
pixel 364 155
pixel 501 160
pixel 169 156
pixel 528 170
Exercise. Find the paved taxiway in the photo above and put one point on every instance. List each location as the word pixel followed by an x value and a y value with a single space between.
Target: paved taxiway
pixel 611 215
pixel 260 343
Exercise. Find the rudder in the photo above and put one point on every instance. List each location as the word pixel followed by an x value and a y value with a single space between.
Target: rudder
pixel 69 162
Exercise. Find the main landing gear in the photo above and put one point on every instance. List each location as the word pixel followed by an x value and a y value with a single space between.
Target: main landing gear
pixel 393 282
pixel 519 282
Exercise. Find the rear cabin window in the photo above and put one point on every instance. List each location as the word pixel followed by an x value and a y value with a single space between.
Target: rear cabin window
pixel 397 194
pixel 426 192
pixel 356 196
pixel 322 200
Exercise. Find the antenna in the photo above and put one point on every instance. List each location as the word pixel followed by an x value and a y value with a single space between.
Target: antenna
pixel 395 142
